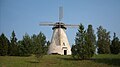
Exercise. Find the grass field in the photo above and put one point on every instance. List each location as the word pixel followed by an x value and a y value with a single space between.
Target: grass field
pixel 60 61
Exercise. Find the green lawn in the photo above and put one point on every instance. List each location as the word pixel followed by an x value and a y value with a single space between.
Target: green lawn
pixel 60 61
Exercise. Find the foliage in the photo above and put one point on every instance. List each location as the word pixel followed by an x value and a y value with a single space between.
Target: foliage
pixel 84 47
pixel 90 41
pixel 115 46
pixel 47 47
pixel 103 42
pixel 39 41
pixel 25 46
pixel 74 51
pixel 4 42
pixel 33 45
pixel 13 47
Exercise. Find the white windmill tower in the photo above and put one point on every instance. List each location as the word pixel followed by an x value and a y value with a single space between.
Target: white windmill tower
pixel 59 42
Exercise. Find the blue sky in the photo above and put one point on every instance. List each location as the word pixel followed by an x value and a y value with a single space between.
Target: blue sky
pixel 24 16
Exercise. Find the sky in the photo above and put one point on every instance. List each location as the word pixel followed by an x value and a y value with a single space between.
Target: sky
pixel 24 16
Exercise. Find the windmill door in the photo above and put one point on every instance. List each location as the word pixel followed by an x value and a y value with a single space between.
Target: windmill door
pixel 65 52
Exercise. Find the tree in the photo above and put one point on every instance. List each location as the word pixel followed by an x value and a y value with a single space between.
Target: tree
pixel 27 43
pixel 90 41
pixel 103 42
pixel 33 38
pixel 115 46
pixel 25 46
pixel 13 47
pixel 79 47
pixel 40 41
pixel 74 50
pixel 4 42
pixel 84 43
pixel 21 48
pixel 47 46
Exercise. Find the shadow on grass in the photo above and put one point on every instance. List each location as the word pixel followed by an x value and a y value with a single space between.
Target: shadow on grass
pixel 32 61
pixel 109 61
pixel 68 59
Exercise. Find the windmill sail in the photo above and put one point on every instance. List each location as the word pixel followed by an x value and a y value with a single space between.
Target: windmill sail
pixel 60 13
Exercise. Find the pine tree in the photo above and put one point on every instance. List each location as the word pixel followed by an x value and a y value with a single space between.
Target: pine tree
pixel 103 42
pixel 4 43
pixel 47 46
pixel 27 43
pixel 115 46
pixel 25 46
pixel 90 41
pixel 84 47
pixel 74 50
pixel 40 50
pixel 13 47
pixel 33 38
pixel 21 49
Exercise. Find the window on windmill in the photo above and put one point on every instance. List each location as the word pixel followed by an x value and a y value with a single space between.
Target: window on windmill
pixel 63 44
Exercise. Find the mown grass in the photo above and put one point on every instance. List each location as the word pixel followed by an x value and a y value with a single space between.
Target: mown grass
pixel 104 60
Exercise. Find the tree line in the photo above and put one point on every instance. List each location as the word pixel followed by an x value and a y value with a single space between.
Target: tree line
pixel 35 44
pixel 86 43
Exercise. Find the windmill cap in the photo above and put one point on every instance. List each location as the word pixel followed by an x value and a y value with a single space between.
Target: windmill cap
pixel 59 25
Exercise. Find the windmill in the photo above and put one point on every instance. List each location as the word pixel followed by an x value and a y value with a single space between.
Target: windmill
pixel 59 42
